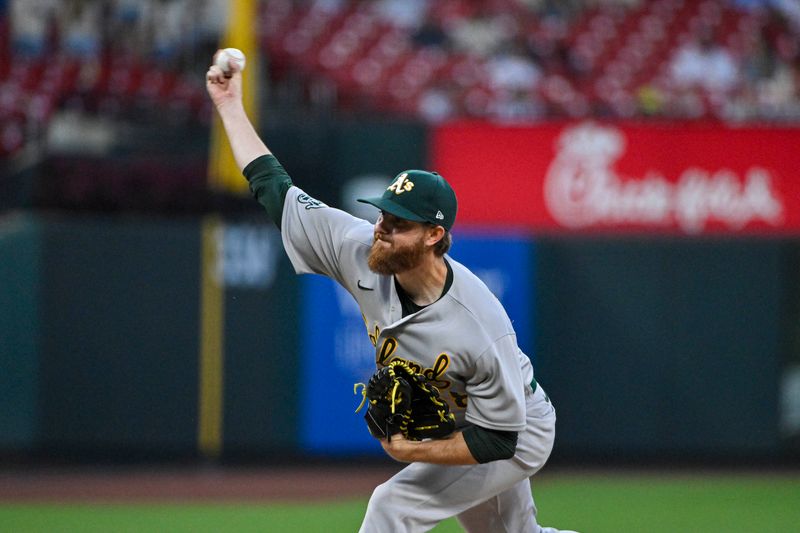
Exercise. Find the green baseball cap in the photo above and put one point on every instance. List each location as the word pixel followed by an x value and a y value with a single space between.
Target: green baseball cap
pixel 420 196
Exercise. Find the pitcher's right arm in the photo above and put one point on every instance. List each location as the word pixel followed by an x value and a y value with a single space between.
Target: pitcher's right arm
pixel 268 179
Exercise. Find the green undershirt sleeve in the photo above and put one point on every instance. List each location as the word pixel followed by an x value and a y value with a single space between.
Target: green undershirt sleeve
pixel 268 183
pixel 488 445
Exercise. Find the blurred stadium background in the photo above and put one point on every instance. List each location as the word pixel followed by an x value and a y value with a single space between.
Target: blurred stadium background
pixel 627 172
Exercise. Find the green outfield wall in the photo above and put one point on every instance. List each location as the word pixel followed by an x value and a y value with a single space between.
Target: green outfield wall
pixel 20 331
pixel 100 329
pixel 119 343
pixel 649 347
pixel 670 347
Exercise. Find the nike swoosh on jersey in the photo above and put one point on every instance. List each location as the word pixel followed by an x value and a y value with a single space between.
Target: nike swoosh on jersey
pixel 363 288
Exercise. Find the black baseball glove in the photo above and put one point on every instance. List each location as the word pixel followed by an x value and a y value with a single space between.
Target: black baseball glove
pixel 404 401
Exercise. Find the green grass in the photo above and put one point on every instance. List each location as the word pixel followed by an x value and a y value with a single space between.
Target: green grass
pixel 650 504
pixel 646 503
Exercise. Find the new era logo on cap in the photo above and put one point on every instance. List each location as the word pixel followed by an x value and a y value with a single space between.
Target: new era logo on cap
pixel 420 196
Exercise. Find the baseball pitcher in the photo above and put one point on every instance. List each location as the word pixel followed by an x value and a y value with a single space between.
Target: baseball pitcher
pixel 433 324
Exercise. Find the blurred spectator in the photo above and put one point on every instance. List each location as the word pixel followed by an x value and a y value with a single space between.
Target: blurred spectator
pixel 169 25
pixel 557 10
pixel 650 101
pixel 791 9
pixel 438 103
pixel 407 14
pixel 211 20
pixel 778 96
pixel 771 88
pixel 773 95
pixel 77 37
pixel 506 59
pixel 326 6
pixel 80 24
pixel 512 70
pixel 30 22
pixel 514 105
pixel 703 63
pixel 127 27
pixel 12 137
pixel 761 62
pixel 430 33
pixel 482 33
pixel 780 36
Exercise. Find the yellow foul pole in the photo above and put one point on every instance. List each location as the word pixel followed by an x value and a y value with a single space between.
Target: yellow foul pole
pixel 223 175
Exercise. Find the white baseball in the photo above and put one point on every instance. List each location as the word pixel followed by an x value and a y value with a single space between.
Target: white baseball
pixel 225 56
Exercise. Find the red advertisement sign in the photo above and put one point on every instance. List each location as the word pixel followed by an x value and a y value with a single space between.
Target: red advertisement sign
pixel 596 177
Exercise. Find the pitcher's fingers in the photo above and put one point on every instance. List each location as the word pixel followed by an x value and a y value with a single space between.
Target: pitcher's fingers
pixel 235 68
pixel 215 75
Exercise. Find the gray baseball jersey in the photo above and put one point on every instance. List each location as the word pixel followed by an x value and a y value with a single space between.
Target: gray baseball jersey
pixel 464 342
pixel 466 345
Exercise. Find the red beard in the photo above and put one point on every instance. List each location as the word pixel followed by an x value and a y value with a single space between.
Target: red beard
pixel 393 260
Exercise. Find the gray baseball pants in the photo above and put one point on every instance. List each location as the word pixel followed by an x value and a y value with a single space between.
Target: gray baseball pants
pixel 493 497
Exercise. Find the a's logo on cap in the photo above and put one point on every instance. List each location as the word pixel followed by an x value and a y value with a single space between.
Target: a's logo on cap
pixel 439 215
pixel 401 184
